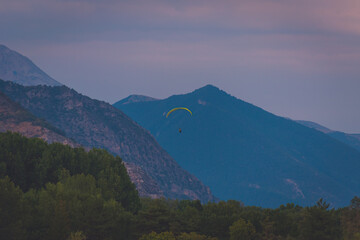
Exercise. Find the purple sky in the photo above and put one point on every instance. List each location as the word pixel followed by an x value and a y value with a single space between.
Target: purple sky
pixel 298 59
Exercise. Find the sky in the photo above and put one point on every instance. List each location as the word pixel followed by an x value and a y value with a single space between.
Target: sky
pixel 295 58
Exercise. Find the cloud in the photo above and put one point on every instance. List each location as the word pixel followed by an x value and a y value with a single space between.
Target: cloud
pixel 313 54
pixel 79 17
pixel 307 35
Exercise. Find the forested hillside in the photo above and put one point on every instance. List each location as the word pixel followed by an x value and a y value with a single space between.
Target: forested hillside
pixel 55 192
pixel 32 163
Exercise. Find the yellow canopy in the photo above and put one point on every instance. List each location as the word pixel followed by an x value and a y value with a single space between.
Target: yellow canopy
pixel 178 108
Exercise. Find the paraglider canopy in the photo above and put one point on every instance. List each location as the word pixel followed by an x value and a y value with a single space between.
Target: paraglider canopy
pixel 178 108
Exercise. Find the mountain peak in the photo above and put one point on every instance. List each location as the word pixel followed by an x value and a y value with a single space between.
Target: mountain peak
pixel 245 153
pixel 20 69
pixel 213 94
pixel 135 98
pixel 208 87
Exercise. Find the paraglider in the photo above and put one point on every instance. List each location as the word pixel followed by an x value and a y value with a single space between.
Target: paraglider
pixel 175 109
pixel 178 108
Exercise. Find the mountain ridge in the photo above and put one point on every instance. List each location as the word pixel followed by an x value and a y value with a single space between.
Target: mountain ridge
pixel 16 119
pixel 352 140
pixel 136 98
pixel 266 159
pixel 94 123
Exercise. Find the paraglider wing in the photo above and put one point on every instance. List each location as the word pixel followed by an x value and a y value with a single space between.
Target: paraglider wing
pixel 178 108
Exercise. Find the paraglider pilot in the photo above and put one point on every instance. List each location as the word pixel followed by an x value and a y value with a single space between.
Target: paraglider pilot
pixel 178 108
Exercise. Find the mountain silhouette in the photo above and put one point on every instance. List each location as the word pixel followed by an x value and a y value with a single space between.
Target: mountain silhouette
pixel 245 153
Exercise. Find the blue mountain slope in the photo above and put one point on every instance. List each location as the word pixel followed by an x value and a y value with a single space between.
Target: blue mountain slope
pixel 243 152
pixel 352 140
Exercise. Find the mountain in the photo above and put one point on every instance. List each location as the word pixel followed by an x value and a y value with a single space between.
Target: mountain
pixel 136 98
pixel 245 153
pixel 19 69
pixel 94 123
pixel 16 119
pixel 315 126
pixel 352 140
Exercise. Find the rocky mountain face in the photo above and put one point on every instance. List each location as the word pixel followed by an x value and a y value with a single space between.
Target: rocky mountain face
pixel 14 118
pixel 19 69
pixel 352 140
pixel 145 185
pixel 245 153
pixel 97 124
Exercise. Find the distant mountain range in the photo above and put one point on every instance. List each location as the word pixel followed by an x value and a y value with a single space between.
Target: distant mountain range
pixel 90 123
pixel 93 123
pixel 241 151
pixel 19 69
pixel 245 153
pixel 352 140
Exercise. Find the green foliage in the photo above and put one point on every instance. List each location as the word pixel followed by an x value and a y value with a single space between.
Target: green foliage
pixel 171 236
pixel 194 236
pixel 189 217
pixel 350 220
pixel 216 218
pixel 156 215
pixel 242 230
pixel 76 204
pixel 55 192
pixel 77 236
pixel 11 211
pixel 320 223
pixel 31 163
pixel 281 222
pixel 158 236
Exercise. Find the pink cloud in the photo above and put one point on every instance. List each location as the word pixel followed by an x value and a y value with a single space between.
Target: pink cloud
pixel 301 53
pixel 326 15
pixel 307 35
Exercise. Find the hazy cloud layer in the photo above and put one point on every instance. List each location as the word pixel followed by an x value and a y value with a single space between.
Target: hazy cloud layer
pixel 295 58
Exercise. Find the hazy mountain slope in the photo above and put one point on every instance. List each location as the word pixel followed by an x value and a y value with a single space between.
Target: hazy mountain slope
pixel 18 68
pixel 315 126
pixel 136 98
pixel 352 140
pixel 16 119
pixel 243 152
pixel 94 123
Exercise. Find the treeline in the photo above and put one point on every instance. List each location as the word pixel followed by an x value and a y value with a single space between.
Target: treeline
pixel 52 191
